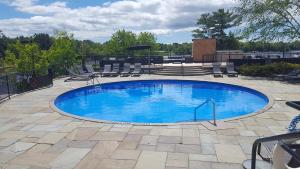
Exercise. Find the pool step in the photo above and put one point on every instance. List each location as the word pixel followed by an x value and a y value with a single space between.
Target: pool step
pixel 183 71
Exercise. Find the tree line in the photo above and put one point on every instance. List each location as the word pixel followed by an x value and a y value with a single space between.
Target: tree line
pixel 257 25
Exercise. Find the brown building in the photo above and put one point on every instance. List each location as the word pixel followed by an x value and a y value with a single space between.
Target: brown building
pixel 204 50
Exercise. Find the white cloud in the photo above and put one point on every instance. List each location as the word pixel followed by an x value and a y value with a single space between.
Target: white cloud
pixel 157 16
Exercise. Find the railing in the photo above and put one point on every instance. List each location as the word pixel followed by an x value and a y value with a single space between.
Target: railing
pixel 213 110
pixel 15 83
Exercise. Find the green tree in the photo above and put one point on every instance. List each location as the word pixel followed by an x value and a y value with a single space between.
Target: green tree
pixel 43 40
pixel 119 43
pixel 269 19
pixel 216 24
pixel 62 53
pixel 26 58
pixel 146 38
pixel 3 44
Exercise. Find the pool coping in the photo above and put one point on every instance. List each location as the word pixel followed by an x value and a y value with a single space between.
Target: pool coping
pixel 264 109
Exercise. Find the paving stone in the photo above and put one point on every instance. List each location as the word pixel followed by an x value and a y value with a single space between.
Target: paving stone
pixel 203 157
pixel 208 149
pixel 228 132
pixel 69 158
pixel 151 160
pixel 109 136
pixel 165 147
pixel 199 165
pixel 177 160
pixel 128 145
pixel 59 147
pixel 7 142
pixel 182 148
pixel 126 154
pixel 13 134
pixel 208 139
pixel 46 127
pixel 236 153
pixel 18 147
pixel 133 138
pixel 104 149
pixel 16 167
pixel 191 140
pixel 35 159
pixel 83 133
pixel 223 139
pixel 139 131
pixel 190 133
pixel 121 128
pixel 116 164
pixel 82 144
pixel 170 140
pixel 39 148
pixel 90 161
pixel 146 147
pixel 70 127
pixel 247 133
pixel 226 166
pixel 149 140
pixel 171 132
pixel 52 138
pixel 6 156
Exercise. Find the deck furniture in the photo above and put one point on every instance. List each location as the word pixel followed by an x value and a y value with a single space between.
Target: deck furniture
pixel 217 70
pixel 90 69
pixel 126 69
pixel 81 71
pixel 137 69
pixel 283 151
pixel 106 70
pixel 116 69
pixel 230 70
pixel 74 75
pixel 291 74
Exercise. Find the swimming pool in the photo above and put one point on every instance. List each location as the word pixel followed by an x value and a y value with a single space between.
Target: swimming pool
pixel 159 101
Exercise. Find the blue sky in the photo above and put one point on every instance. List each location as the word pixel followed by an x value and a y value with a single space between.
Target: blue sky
pixel 170 20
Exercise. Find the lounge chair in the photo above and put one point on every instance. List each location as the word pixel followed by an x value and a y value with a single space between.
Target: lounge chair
pixel 116 69
pixel 283 151
pixel 230 70
pixel 217 70
pixel 76 76
pixel 126 70
pixel 106 70
pixel 90 69
pixel 137 69
pixel 81 71
pixel 293 78
pixel 291 75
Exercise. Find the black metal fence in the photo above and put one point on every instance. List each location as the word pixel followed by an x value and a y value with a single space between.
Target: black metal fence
pixel 15 83
pixel 239 62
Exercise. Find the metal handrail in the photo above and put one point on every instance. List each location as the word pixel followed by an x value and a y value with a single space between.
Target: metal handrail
pixel 214 110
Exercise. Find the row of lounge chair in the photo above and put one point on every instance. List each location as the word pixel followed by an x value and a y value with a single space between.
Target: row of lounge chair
pixel 293 75
pixel 77 73
pixel 115 70
pixel 229 70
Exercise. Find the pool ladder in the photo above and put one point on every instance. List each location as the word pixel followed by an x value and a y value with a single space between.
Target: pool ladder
pixel 213 110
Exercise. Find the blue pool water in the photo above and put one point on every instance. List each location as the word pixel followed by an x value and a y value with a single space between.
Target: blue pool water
pixel 160 101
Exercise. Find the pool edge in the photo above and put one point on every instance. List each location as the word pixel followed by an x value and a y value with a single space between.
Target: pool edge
pixel 264 109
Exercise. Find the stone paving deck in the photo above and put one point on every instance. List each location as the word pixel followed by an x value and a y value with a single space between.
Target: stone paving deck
pixel 33 136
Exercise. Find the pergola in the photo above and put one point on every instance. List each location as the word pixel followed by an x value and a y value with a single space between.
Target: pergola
pixel 142 47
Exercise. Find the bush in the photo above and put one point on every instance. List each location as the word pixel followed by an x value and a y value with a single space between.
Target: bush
pixel 268 70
